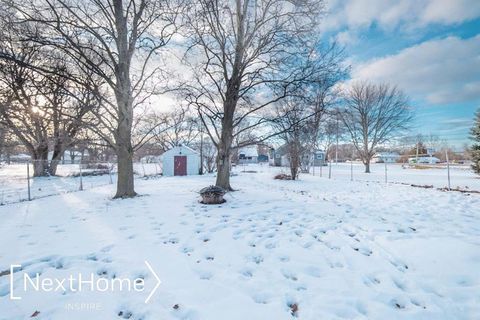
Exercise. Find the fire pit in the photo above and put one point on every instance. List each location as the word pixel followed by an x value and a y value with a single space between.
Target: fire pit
pixel 212 195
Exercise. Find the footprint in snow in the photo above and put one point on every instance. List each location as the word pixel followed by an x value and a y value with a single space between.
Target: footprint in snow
pixel 370 280
pixel 248 273
pixel 363 250
pixel 255 258
pixel 261 297
pixel 289 275
pixel 313 271
pixel 399 265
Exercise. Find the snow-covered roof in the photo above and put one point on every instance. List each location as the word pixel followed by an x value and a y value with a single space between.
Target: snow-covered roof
pixel 181 149
pixel 387 154
pixel 249 151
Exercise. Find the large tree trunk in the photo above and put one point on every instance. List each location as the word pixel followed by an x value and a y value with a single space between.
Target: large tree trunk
pixel 223 165
pixel 125 181
pixel 224 148
pixel 58 150
pixel 124 150
pixel 40 161
pixel 367 166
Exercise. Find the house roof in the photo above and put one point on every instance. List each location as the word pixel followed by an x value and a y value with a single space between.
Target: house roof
pixel 249 151
pixel 387 154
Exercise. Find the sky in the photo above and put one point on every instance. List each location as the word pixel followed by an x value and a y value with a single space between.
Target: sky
pixel 430 49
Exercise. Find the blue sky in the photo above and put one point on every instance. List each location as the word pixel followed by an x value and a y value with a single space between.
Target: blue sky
pixel 428 48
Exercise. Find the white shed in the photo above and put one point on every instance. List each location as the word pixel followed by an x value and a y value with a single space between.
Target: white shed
pixel 180 161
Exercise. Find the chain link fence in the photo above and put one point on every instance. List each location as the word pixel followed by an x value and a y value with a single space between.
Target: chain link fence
pixel 18 183
pixel 445 175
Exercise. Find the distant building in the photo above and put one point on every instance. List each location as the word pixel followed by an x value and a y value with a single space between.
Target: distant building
pixel 280 158
pixel 21 157
pixel 423 160
pixel 319 158
pixel 386 157
pixel 248 155
pixel 181 161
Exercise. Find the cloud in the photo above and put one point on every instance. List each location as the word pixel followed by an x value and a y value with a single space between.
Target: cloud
pixel 389 14
pixel 457 123
pixel 346 38
pixel 440 71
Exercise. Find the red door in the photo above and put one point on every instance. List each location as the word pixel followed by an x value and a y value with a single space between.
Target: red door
pixel 180 166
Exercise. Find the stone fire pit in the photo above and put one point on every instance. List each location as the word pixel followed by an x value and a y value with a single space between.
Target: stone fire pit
pixel 212 195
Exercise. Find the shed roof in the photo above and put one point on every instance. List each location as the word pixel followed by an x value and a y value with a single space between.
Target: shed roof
pixel 181 148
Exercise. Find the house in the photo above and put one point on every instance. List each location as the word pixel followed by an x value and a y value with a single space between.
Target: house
pixel 248 155
pixel 280 158
pixel 423 160
pixel 181 161
pixel 319 158
pixel 386 157
pixel 21 157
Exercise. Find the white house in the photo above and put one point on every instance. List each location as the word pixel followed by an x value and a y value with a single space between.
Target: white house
pixel 181 161
pixel 386 157
pixel 424 160
pixel 248 155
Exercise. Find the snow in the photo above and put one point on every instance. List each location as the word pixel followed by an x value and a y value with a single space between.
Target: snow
pixel 461 176
pixel 337 249
pixel 14 185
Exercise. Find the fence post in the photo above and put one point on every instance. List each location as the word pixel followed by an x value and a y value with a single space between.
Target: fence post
pixel 448 168
pixel 321 167
pixel 143 168
pixel 81 178
pixel 110 173
pixel 330 170
pixel 351 170
pixel 28 181
pixel 386 178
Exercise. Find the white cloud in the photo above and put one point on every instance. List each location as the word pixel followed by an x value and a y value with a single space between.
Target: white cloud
pixel 441 71
pixel 346 38
pixel 390 14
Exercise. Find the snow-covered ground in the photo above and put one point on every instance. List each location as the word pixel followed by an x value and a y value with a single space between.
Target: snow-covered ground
pixel 14 183
pixel 333 249
pixel 461 176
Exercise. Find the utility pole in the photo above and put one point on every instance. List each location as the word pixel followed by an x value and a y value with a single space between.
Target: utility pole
pixel 201 151
pixel 416 155
pixel 448 169
pixel 336 146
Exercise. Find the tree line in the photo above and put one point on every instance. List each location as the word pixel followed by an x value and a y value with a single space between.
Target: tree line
pixel 250 71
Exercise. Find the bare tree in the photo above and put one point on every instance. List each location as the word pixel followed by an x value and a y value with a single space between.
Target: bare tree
pixel 114 41
pixel 295 122
pixel 246 55
pixel 44 111
pixel 179 127
pixel 373 114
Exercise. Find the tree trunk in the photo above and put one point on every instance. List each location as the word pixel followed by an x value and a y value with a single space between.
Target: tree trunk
pixel 293 171
pixel 40 161
pixel 223 165
pixel 224 148
pixel 125 181
pixel 58 151
pixel 367 166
